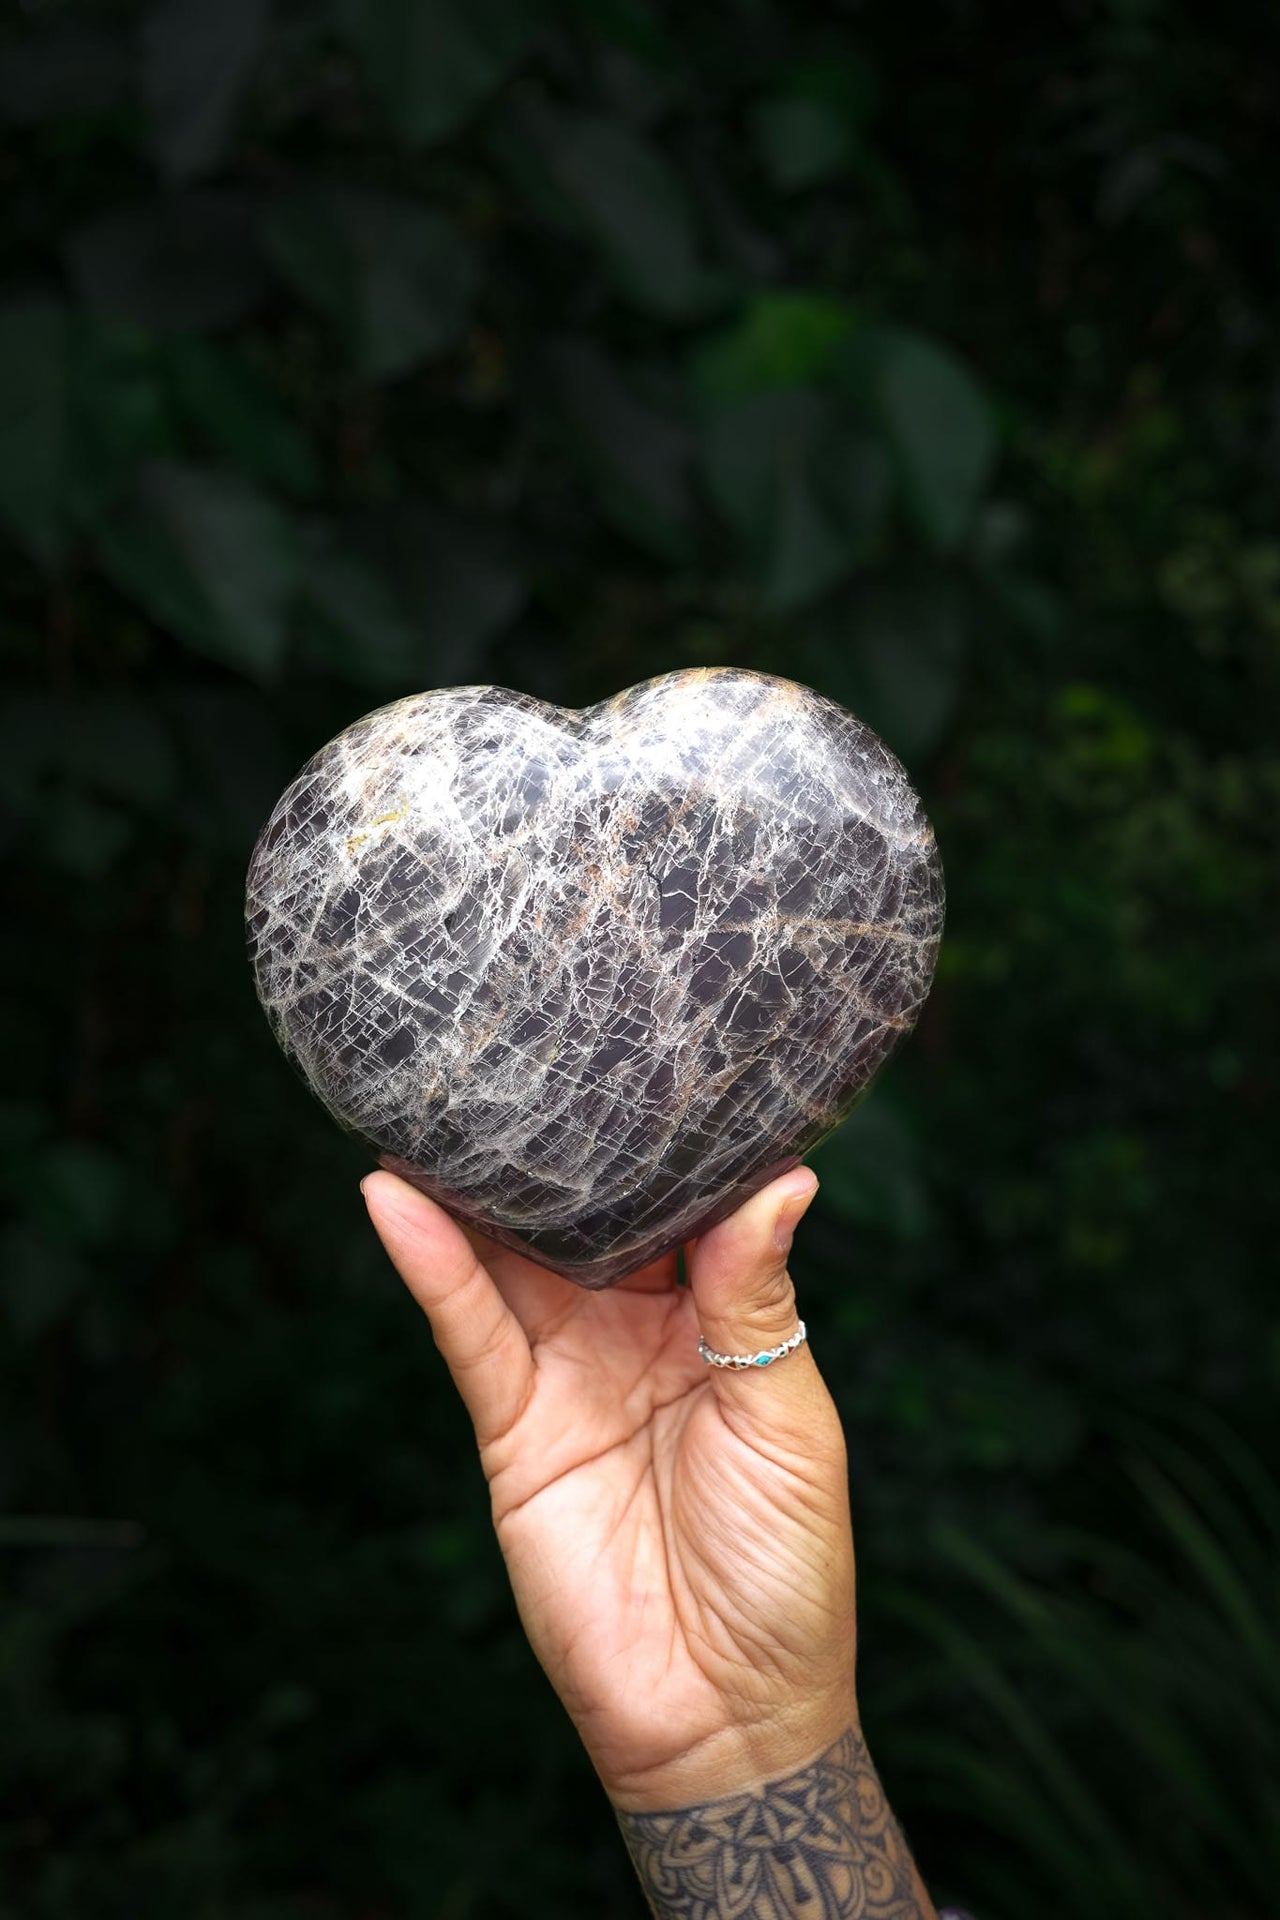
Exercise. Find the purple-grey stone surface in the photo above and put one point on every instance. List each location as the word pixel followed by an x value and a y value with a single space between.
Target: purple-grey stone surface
pixel 591 978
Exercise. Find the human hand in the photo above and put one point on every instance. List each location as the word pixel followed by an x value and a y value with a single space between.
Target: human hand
pixel 677 1535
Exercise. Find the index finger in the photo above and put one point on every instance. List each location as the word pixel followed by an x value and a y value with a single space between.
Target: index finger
pixel 483 1343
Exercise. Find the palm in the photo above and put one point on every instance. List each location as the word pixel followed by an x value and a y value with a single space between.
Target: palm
pixel 669 1573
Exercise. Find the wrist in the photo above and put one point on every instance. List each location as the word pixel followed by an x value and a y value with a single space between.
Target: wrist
pixel 737 1759
pixel 821 1835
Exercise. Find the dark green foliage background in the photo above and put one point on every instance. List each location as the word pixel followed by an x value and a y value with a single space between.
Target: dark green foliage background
pixel 927 355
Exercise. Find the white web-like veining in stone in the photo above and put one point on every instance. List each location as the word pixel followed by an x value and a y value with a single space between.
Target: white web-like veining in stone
pixel 585 971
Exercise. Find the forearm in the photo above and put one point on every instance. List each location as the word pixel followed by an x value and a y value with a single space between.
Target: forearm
pixel 816 1844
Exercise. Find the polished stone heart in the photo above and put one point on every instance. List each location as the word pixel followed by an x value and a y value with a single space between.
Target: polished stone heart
pixel 591 978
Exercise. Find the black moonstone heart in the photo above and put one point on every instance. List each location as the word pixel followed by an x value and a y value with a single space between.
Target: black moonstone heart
pixel 591 978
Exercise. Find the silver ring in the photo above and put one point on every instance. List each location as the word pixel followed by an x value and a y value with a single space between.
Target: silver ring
pixel 765 1359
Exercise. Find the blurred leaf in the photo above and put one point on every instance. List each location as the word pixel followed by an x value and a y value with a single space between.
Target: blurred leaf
pixel 459 580
pixel 630 24
pixel 357 626
pixel 1009 1802
pixel 937 421
pixel 408 597
pixel 194 61
pixel 811 127
pixel 24 1126
pixel 782 340
pixel 110 742
pixel 233 761
pixel 240 415
pixel 1213 1495
pixel 32 747
pixel 209 556
pixel 841 77
pixel 872 1172
pixel 637 455
pixel 77 1192
pixel 1070 1786
pixel 39 1280
pixel 188 260
pixel 632 202
pixel 33 425
pixel 799 486
pixel 800 141
pixel 856 481
pixel 61 67
pixel 1170 1672
pixel 1254 1625
pixel 395 276
pixel 433 62
pixel 894 652
pixel 806 554
pixel 118 745
pixel 1239 1464
pixel 121 413
pixel 1032 605
pixel 82 834
pixel 750 448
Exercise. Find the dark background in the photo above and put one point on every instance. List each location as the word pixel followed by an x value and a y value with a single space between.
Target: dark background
pixel 924 354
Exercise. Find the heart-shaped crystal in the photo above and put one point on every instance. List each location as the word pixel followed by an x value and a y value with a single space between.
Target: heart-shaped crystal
pixel 591 978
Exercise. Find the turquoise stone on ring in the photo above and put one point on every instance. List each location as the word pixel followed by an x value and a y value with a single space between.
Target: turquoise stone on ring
pixel 589 978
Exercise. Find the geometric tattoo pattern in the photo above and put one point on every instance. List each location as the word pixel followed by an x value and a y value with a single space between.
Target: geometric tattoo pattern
pixel 821 1843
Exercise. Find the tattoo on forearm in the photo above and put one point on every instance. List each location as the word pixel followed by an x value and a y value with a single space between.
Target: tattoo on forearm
pixel 818 1845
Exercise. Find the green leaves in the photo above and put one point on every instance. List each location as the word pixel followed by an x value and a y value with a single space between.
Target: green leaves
pixel 195 59
pixel 629 199
pixel 77 1193
pixel 408 596
pixel 796 425
pixel 122 415
pixel 791 468
pixel 800 141
pixel 61 67
pixel 783 339
pixel 210 556
pixel 236 412
pixel 814 420
pixel 357 626
pixel 936 420
pixel 894 649
pixel 189 260
pixel 395 277
pixel 81 775
pixel 636 451
pixel 812 127
pixel 460 580
pixel 432 63
pixel 355 347
pixel 34 352
pixel 872 1173
pixel 802 488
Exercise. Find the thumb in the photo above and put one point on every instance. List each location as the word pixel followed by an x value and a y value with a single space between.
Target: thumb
pixel 746 1304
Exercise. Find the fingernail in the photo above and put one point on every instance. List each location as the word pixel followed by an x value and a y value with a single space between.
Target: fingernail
pixel 790 1212
pixel 399 1200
